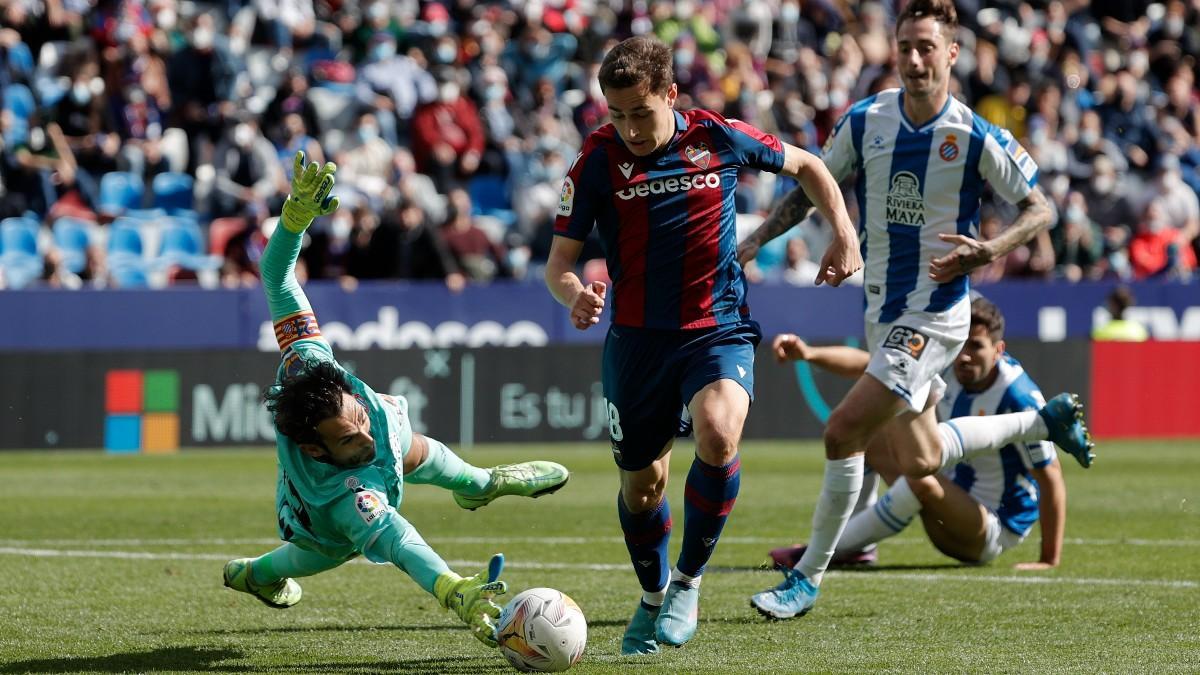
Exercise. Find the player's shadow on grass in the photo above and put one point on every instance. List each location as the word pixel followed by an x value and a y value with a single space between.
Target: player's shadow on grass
pixel 332 628
pixel 167 658
pixel 209 659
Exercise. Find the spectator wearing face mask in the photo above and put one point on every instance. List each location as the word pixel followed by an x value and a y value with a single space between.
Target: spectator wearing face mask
pixel 1158 250
pixel 447 136
pixel 366 162
pixel 1179 203
pixel 1090 143
pixel 248 175
pixel 393 85
pixel 1078 241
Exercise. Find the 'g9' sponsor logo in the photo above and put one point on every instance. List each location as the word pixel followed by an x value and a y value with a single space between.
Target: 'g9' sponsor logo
pixel 907 340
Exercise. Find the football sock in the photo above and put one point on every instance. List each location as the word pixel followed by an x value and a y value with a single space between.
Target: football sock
pixel 894 511
pixel 869 493
pixel 708 498
pixel 447 470
pixel 655 598
pixel 839 492
pixel 289 561
pixel 964 436
pixel 646 537
pixel 685 579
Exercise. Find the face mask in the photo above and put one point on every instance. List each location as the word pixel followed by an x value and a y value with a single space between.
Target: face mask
pixel 81 94
pixel 1075 214
pixel 789 13
pixel 243 135
pixel 1088 137
pixel 1174 26
pixel 368 133
pixel 448 92
pixel 1104 184
pixel 384 50
pixel 494 92
pixel 684 59
pixel 203 38
pixel 684 10
pixel 446 53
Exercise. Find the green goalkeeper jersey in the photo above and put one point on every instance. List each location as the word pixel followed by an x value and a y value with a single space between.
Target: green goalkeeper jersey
pixel 338 512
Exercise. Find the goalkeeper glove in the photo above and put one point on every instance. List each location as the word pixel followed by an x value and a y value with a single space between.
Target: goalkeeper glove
pixel 310 198
pixel 471 598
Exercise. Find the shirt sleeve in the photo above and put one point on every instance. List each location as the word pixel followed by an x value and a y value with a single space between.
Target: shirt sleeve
pixel 838 153
pixel 1006 166
pixel 579 201
pixel 751 146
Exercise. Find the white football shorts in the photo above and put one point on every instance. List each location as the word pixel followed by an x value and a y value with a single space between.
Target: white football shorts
pixel 998 539
pixel 909 354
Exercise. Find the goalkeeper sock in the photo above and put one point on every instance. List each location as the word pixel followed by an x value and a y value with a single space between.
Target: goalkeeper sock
pixel 289 562
pixel 447 470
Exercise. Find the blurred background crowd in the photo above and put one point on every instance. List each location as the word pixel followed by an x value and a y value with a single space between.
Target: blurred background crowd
pixel 149 142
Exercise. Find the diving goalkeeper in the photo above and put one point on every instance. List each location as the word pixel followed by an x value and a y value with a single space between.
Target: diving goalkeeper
pixel 346 451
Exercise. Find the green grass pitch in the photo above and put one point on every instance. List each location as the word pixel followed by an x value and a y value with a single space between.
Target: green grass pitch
pixel 112 564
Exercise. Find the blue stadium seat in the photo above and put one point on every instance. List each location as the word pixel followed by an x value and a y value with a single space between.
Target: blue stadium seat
pixel 73 237
pixel 489 197
pixel 182 245
pixel 20 58
pixel 19 100
pixel 173 192
pixel 120 191
pixel 19 256
pixel 125 243
pixel 129 276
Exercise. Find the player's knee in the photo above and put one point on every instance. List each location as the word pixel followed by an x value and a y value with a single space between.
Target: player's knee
pixel 645 497
pixel 717 448
pixel 918 466
pixel 841 438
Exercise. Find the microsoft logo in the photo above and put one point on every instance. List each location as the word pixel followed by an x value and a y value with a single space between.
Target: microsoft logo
pixel 141 411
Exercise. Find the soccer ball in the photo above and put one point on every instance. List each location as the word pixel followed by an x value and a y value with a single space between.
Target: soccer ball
pixel 542 630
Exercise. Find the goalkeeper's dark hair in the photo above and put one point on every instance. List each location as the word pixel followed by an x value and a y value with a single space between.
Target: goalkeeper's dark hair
pixel 942 11
pixel 302 401
pixel 638 61
pixel 985 313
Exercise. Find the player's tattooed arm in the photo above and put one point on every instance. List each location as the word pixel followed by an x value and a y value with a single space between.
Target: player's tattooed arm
pixel 793 209
pixel 969 253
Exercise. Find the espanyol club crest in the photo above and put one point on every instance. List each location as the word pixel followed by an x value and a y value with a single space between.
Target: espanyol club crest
pixel 698 154
pixel 948 151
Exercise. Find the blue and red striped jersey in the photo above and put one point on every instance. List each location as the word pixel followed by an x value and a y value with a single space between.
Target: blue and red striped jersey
pixel 667 221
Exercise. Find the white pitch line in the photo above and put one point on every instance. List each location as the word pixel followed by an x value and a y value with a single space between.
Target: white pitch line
pixel 548 541
pixel 621 567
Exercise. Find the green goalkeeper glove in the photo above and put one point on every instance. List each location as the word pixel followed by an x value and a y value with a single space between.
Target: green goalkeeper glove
pixel 310 194
pixel 471 598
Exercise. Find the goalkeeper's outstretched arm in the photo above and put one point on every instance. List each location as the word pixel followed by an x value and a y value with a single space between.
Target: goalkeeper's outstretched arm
pixel 310 198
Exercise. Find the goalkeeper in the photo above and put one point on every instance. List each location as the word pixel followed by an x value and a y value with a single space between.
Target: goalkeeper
pixel 346 451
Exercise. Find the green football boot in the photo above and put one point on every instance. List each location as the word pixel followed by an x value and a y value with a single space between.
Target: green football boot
pixel 527 479
pixel 280 595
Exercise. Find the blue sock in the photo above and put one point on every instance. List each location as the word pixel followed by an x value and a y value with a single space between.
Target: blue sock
pixel 708 498
pixel 646 537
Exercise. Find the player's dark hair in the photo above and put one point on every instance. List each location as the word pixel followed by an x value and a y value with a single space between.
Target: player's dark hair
pixel 638 61
pixel 985 313
pixel 942 11
pixel 302 401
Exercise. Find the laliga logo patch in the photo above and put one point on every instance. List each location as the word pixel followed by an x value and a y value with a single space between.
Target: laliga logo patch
pixel 948 151
pixel 566 201
pixel 369 505
pixel 906 340
pixel 698 154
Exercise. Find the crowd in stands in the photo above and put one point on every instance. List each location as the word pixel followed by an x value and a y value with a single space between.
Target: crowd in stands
pixel 149 142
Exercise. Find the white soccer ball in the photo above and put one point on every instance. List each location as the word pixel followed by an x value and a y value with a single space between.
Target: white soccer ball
pixel 542 630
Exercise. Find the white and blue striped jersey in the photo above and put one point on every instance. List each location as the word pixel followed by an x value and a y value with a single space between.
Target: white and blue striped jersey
pixel 1002 481
pixel 915 183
